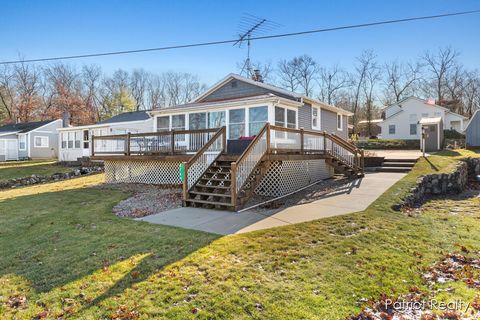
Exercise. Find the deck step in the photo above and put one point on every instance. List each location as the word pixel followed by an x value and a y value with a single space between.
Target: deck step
pixel 212 186
pixel 213 203
pixel 224 195
pixel 214 179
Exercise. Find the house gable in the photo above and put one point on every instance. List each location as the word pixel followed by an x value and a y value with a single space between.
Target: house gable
pixel 235 88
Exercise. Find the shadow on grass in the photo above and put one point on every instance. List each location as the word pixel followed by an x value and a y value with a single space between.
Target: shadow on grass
pixel 432 166
pixel 52 239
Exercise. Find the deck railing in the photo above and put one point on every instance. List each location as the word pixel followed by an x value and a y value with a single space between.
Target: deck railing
pixel 199 163
pixel 152 143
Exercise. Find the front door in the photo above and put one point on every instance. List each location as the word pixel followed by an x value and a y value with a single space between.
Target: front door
pixel 431 138
pixel 11 150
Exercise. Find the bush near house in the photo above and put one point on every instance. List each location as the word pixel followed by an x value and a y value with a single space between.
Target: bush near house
pixel 388 144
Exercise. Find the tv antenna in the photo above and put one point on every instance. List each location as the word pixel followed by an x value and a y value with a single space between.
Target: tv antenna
pixel 252 26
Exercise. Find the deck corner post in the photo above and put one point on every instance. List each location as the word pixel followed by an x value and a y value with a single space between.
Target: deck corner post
pixel 93 145
pixel 172 141
pixel 302 141
pixel 128 144
pixel 224 138
pixel 324 142
pixel 185 183
pixel 268 138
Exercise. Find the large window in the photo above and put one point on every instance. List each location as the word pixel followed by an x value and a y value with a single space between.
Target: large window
pixel 413 129
pixel 86 143
pixel 391 129
pixel 279 117
pixel 291 119
pixel 22 145
pixel 315 118
pixel 216 119
pixel 237 123
pixel 197 121
pixel 40 141
pixel 71 136
pixel 163 123
pixel 258 117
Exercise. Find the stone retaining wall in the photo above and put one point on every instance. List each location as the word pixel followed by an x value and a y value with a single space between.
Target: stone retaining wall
pixel 441 184
pixel 34 179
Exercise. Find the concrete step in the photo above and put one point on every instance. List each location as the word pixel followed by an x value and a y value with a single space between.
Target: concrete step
pixel 393 169
pixel 398 164
pixel 400 160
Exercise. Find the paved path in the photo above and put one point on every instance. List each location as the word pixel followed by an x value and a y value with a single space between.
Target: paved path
pixel 355 198
pixel 397 154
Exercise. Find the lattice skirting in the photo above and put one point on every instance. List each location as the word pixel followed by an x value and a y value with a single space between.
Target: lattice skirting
pixel 287 176
pixel 142 171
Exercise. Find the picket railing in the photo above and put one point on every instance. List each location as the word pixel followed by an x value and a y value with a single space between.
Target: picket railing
pixel 152 143
pixel 199 163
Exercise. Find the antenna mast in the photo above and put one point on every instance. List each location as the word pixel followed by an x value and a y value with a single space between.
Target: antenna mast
pixel 249 26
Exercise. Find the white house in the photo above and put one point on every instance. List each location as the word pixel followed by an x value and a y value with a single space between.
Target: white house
pixel 402 119
pixel 29 140
pixel 75 142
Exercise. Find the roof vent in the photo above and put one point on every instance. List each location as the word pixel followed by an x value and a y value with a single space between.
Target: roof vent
pixel 234 84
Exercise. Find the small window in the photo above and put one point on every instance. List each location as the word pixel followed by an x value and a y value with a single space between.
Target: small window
pixel 78 137
pixel 234 84
pixel 86 141
pixel 163 123
pixel 40 142
pixel 315 118
pixel 339 122
pixel 424 115
pixel 391 129
pixel 413 129
pixel 64 140
pixel 22 144
pixel 291 119
pixel 279 117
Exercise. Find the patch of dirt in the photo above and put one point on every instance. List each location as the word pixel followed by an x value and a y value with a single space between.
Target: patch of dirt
pixel 324 188
pixel 146 199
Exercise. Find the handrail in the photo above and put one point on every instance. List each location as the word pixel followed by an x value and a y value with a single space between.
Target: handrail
pixel 248 161
pixel 196 166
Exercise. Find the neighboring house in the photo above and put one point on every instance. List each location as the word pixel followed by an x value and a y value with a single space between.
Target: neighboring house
pixel 402 119
pixel 472 131
pixel 75 142
pixel 285 141
pixel 29 140
pixel 244 106
pixel 375 128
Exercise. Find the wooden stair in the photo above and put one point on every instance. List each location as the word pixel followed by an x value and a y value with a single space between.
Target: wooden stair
pixel 343 168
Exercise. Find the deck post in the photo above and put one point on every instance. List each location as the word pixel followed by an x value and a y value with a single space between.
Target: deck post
pixel 324 142
pixel 302 144
pixel 128 143
pixel 93 145
pixel 224 138
pixel 172 141
pixel 185 183
pixel 268 138
pixel 233 185
pixel 362 162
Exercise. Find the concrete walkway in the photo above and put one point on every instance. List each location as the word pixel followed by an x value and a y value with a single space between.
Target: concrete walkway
pixel 354 197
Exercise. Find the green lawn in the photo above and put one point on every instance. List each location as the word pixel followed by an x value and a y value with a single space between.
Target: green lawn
pixel 21 169
pixel 75 259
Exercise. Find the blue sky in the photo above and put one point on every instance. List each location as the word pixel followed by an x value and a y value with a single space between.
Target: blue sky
pixel 38 29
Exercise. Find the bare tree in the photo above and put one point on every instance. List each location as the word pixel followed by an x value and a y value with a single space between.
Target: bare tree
pixel 138 87
pixel 331 81
pixel 400 80
pixel 439 65
pixel 365 63
pixel 471 96
pixel 372 77
pixel 306 72
pixel 287 74
pixel 91 78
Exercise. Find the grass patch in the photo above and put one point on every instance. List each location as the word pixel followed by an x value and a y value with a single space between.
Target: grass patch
pixel 76 259
pixel 22 169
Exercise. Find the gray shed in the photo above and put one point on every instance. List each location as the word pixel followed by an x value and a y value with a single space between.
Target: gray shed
pixel 472 131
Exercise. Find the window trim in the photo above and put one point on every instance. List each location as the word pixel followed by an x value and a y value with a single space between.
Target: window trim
pixel 394 129
pixel 43 147
pixel 341 122
pixel 319 118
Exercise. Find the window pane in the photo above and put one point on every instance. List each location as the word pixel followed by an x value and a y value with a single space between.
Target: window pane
pixel 291 119
pixel 279 116
pixel 237 123
pixel 314 117
pixel 391 129
pixel 78 136
pixel 413 129
pixel 339 121
pixel 178 122
pixel 197 121
pixel 237 115
pixel 163 123
pixel 85 135
pixel 258 116
pixel 216 119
